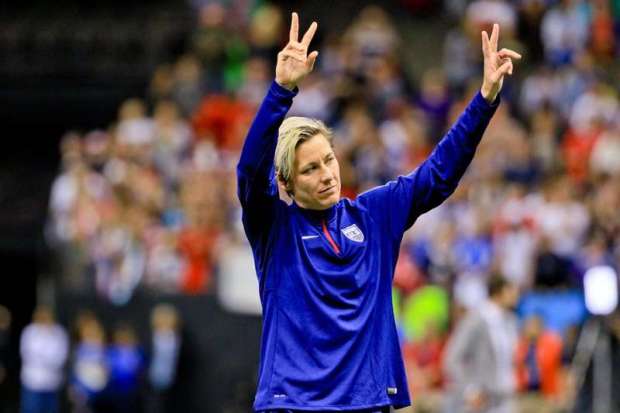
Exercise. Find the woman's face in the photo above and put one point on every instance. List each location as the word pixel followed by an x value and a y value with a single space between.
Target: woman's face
pixel 316 174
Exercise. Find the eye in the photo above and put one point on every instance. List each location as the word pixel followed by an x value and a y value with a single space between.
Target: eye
pixel 308 170
pixel 329 159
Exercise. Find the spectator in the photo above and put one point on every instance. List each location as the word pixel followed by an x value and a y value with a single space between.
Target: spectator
pixel 172 142
pixel 89 372
pixel 164 262
pixel 372 34
pixel 44 347
pixel 605 155
pixel 196 243
pixel 125 362
pixel 189 83
pixel 434 101
pixel 539 363
pixel 483 13
pixel 135 129
pixel 165 349
pixel 237 287
pixel 460 56
pixel 602 39
pixel 541 88
pixel 564 31
pixel 531 13
pixel 562 219
pixel 265 31
pixel 211 39
pixel 118 255
pixel 516 235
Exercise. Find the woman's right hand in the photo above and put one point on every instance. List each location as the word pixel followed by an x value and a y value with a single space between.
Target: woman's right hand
pixel 294 62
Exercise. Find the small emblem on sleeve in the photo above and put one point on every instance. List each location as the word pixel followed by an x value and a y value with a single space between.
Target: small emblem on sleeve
pixel 392 391
pixel 353 233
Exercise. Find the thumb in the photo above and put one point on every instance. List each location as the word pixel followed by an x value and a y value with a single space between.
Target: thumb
pixel 311 59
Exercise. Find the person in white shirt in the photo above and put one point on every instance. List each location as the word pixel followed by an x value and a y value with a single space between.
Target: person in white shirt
pixel 44 347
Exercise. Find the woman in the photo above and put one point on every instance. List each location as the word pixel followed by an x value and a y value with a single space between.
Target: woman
pixel 325 264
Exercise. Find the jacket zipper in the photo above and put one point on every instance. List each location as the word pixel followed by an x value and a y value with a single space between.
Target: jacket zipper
pixel 330 239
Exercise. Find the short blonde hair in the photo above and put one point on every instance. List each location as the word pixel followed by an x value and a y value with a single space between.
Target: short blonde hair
pixel 294 131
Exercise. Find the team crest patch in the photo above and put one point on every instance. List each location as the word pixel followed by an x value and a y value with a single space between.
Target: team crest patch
pixel 353 233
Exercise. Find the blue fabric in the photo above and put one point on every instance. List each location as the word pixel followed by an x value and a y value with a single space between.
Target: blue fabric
pixel 329 339
pixel 531 363
pixel 39 401
pixel 382 410
pixel 125 363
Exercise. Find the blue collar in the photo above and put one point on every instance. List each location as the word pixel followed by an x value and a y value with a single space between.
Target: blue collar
pixel 317 216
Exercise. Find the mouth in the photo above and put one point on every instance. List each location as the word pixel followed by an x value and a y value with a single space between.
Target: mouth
pixel 326 190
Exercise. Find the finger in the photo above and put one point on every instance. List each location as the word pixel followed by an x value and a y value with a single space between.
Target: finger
pixel 294 33
pixel 309 35
pixel 485 44
pixel 312 58
pixel 494 37
pixel 509 53
pixel 506 60
pixel 503 70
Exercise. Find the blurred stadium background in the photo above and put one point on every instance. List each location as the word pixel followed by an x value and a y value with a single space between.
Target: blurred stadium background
pixel 122 122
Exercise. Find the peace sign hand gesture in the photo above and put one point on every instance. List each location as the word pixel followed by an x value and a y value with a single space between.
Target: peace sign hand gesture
pixel 294 62
pixel 496 64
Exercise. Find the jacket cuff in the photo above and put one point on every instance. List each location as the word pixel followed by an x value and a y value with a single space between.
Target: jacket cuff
pixel 282 92
pixel 481 102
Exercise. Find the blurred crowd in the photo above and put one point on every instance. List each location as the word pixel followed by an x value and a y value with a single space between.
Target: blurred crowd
pixel 83 372
pixel 150 201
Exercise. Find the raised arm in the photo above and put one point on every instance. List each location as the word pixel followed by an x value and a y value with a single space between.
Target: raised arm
pixel 437 177
pixel 256 189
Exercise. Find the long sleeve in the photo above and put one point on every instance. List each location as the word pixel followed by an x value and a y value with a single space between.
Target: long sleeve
pixel 256 188
pixel 400 202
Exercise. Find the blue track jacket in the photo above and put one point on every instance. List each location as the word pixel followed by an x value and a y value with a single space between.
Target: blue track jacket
pixel 329 340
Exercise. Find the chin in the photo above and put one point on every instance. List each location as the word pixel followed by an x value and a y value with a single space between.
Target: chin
pixel 332 200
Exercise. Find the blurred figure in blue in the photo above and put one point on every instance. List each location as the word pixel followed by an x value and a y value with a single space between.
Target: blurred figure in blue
pixel 126 364
pixel 44 347
pixel 89 373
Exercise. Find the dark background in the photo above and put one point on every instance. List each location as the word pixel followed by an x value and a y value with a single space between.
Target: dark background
pixel 49 84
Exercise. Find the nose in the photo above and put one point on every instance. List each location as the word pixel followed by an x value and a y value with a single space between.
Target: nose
pixel 327 175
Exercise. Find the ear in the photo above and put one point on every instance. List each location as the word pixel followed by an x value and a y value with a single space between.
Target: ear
pixel 285 191
pixel 284 186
